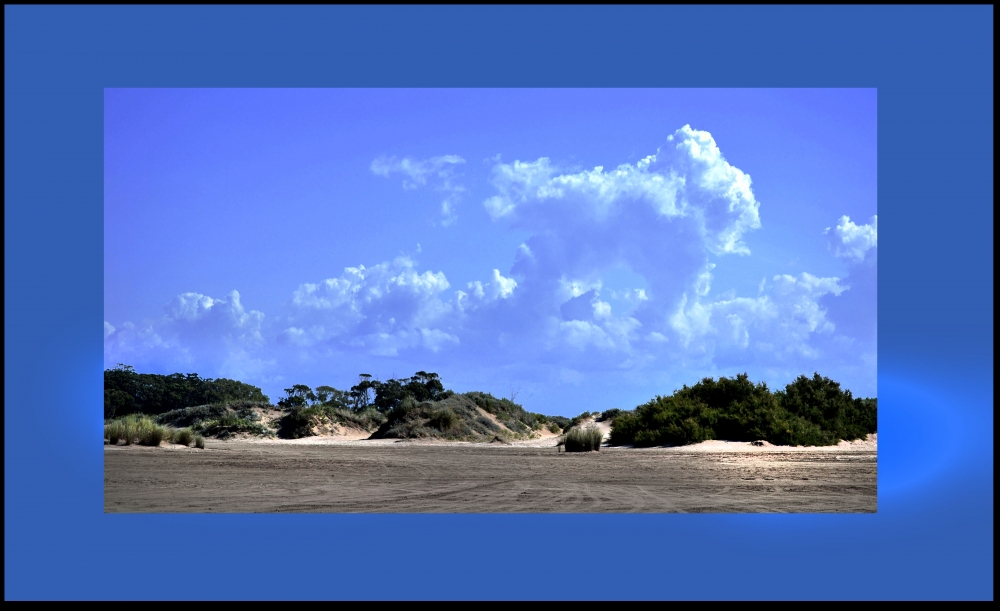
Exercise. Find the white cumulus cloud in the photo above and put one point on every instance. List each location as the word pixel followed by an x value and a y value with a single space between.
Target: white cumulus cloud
pixel 852 241
pixel 781 321
pixel 689 177
pixel 383 308
pixel 480 293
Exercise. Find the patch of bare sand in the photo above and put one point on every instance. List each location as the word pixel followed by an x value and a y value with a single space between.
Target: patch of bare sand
pixel 491 418
pixel 413 477
pixel 341 435
pixel 714 445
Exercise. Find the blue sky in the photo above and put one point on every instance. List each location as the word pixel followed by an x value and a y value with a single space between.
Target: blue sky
pixel 586 249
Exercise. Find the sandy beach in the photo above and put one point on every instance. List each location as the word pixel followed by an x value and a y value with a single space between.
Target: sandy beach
pixel 340 474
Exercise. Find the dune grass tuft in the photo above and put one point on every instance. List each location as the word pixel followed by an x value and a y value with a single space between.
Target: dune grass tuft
pixel 199 442
pixel 136 428
pixel 183 437
pixel 583 440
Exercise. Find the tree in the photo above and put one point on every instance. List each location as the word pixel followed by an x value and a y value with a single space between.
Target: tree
pixel 126 391
pixel 362 393
pixel 299 395
pixel 323 393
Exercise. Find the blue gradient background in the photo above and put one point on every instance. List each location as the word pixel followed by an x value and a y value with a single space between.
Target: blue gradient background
pixel 932 537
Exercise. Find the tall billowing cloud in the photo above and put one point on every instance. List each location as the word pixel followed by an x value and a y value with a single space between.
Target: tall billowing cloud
pixel 688 179
pixel 439 172
pixel 615 279
pixel 660 218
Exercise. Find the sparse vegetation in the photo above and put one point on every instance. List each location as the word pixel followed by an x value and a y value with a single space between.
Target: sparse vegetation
pixel 609 414
pixel 510 414
pixel 577 420
pixel 219 419
pixel 299 422
pixel 455 418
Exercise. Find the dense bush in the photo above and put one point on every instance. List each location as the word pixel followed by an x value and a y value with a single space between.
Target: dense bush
pixel 810 411
pixel 299 422
pixel 128 392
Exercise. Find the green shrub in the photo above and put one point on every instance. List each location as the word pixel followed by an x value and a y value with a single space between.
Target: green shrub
pixel 443 419
pixel 561 421
pixel 298 422
pixel 810 411
pixel 583 440
pixel 199 442
pixel 554 427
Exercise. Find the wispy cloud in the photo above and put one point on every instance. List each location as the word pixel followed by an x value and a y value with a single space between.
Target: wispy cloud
pixel 438 172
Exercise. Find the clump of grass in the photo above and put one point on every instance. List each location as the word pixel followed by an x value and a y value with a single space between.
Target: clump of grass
pixel 554 427
pixel 151 436
pixel 183 437
pixel 135 428
pixel 113 431
pixel 199 442
pixel 583 440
